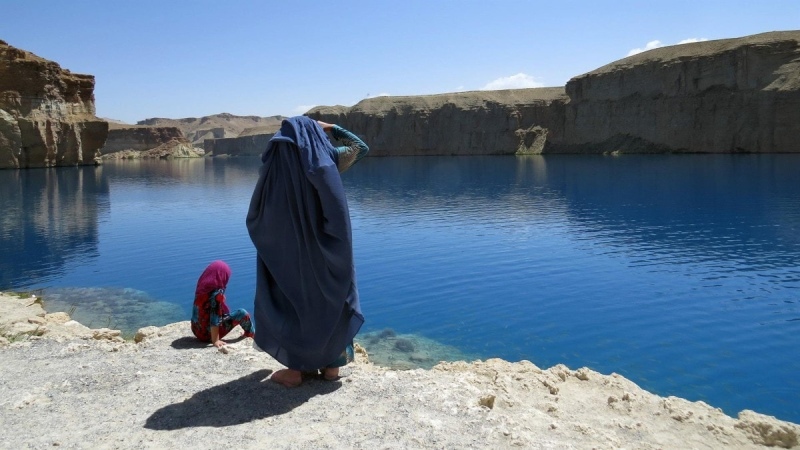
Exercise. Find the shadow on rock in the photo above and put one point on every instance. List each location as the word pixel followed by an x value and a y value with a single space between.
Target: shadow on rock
pixel 188 342
pixel 191 342
pixel 246 399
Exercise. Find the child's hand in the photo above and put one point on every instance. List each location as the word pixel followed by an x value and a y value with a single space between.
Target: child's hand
pixel 219 344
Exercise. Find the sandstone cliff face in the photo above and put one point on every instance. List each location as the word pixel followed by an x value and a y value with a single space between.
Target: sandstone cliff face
pixel 250 145
pixel 139 138
pixel 135 141
pixel 250 142
pixel 217 126
pixel 47 114
pixel 465 123
pixel 731 95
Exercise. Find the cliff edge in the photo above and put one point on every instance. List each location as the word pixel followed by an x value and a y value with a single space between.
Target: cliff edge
pixel 462 123
pixel 139 141
pixel 65 385
pixel 47 114
pixel 722 96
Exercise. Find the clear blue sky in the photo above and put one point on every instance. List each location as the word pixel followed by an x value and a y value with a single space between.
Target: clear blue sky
pixel 182 58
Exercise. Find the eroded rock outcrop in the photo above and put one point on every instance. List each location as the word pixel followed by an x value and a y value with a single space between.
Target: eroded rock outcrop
pixel 464 123
pixel 47 114
pixel 251 141
pixel 722 96
pixel 730 95
pixel 217 126
pixel 133 141
pixel 251 145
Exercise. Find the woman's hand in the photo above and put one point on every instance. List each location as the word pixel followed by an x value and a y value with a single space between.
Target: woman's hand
pixel 325 125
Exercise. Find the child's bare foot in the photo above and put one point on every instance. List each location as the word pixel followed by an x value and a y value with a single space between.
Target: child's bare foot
pixel 331 373
pixel 287 377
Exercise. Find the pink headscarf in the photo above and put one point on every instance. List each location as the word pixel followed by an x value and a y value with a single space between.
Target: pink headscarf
pixel 215 277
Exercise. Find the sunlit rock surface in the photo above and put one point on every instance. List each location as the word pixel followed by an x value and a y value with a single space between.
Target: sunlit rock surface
pixel 721 96
pixel 47 114
pixel 172 391
pixel 136 141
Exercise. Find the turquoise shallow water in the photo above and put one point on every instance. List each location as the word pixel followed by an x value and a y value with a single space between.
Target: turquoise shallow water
pixel 679 272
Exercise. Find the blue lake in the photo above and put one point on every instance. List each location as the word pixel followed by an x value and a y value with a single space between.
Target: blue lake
pixel 679 272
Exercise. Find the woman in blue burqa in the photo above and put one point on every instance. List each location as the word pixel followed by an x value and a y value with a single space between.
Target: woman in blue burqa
pixel 306 304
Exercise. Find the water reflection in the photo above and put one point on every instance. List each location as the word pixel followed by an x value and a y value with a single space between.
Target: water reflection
pixel 678 271
pixel 184 171
pixel 49 220
pixel 740 207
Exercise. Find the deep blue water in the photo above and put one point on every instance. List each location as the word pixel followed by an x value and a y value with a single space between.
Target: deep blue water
pixel 678 272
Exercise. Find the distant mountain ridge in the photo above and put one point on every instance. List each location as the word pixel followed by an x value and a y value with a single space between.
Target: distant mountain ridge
pixel 216 126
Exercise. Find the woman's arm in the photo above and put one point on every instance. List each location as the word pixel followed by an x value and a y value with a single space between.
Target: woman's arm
pixel 216 300
pixel 215 337
pixel 353 149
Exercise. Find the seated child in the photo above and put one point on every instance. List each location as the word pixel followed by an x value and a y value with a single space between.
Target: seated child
pixel 211 318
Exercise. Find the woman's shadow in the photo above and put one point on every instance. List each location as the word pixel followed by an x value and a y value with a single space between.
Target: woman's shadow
pixel 240 401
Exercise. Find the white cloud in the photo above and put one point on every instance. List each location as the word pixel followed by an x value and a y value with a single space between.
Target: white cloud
pixel 382 94
pixel 655 44
pixel 691 40
pixel 650 45
pixel 518 81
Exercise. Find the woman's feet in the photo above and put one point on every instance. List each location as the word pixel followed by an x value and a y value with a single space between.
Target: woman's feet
pixel 330 373
pixel 293 378
pixel 287 377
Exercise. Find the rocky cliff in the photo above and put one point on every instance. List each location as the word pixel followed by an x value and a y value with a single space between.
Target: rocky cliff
pixel 131 137
pixel 250 145
pixel 250 141
pixel 465 123
pixel 47 114
pixel 134 141
pixel 217 126
pixel 731 95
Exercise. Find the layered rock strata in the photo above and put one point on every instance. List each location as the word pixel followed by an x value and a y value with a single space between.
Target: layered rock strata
pixel 134 137
pixel 47 114
pixel 250 145
pixel 132 141
pixel 722 96
pixel 465 123
pixel 217 126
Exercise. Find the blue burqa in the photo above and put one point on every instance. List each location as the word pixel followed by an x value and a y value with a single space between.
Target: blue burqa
pixel 306 304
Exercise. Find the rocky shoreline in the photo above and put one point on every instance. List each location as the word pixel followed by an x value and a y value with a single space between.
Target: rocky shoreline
pixel 70 386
